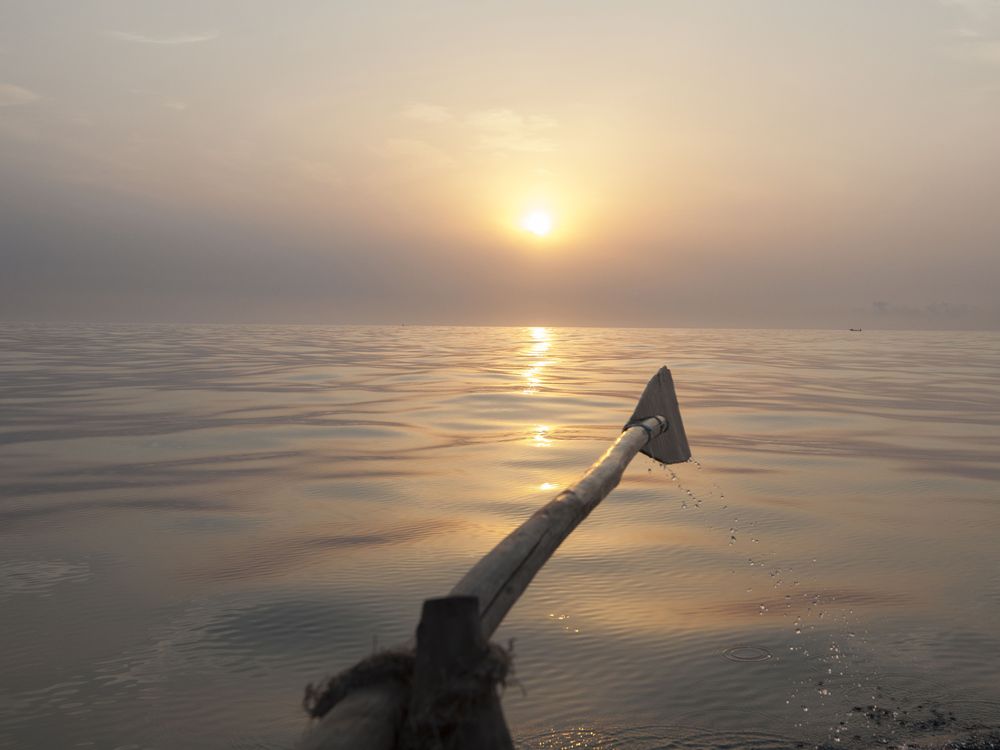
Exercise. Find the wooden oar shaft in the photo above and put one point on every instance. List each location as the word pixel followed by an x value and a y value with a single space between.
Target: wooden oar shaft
pixel 499 579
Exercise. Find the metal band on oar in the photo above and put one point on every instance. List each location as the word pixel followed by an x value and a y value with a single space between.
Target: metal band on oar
pixel 451 697
pixel 650 434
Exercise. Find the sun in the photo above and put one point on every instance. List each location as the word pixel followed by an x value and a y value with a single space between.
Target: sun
pixel 539 223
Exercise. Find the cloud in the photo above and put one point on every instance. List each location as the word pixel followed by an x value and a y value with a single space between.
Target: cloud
pixel 175 39
pixel 986 52
pixel 506 120
pixel 428 113
pixel 977 8
pixel 977 41
pixel 506 130
pixel 978 36
pixel 415 153
pixel 498 129
pixel 11 95
pixel 977 49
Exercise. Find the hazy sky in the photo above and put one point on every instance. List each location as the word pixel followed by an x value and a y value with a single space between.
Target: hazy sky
pixel 741 163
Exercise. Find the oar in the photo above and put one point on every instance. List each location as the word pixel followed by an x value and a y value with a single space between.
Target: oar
pixel 370 716
pixel 497 580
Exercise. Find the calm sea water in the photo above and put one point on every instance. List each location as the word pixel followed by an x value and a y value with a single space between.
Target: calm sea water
pixel 196 521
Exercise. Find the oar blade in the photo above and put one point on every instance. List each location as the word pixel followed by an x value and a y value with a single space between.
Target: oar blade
pixel 660 400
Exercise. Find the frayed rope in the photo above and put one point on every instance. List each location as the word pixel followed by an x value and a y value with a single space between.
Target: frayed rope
pixel 397 666
pixel 383 666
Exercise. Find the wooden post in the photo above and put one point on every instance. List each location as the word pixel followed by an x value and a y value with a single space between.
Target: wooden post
pixel 454 703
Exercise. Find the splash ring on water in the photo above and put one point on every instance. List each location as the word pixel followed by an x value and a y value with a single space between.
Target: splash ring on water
pixel 747 653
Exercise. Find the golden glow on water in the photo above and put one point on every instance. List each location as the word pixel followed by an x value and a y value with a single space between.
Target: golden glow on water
pixel 533 377
pixel 563 620
pixel 547 486
pixel 540 436
pixel 541 342
pixel 533 373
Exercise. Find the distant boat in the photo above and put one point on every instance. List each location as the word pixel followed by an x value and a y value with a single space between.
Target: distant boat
pixel 854 329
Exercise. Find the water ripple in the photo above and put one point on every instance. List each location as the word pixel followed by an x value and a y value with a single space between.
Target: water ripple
pixel 195 521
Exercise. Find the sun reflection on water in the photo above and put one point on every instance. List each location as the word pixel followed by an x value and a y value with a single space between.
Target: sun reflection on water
pixel 534 379
pixel 540 435
pixel 542 341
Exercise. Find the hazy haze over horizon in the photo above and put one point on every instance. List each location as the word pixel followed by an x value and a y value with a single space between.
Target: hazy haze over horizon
pixel 705 163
